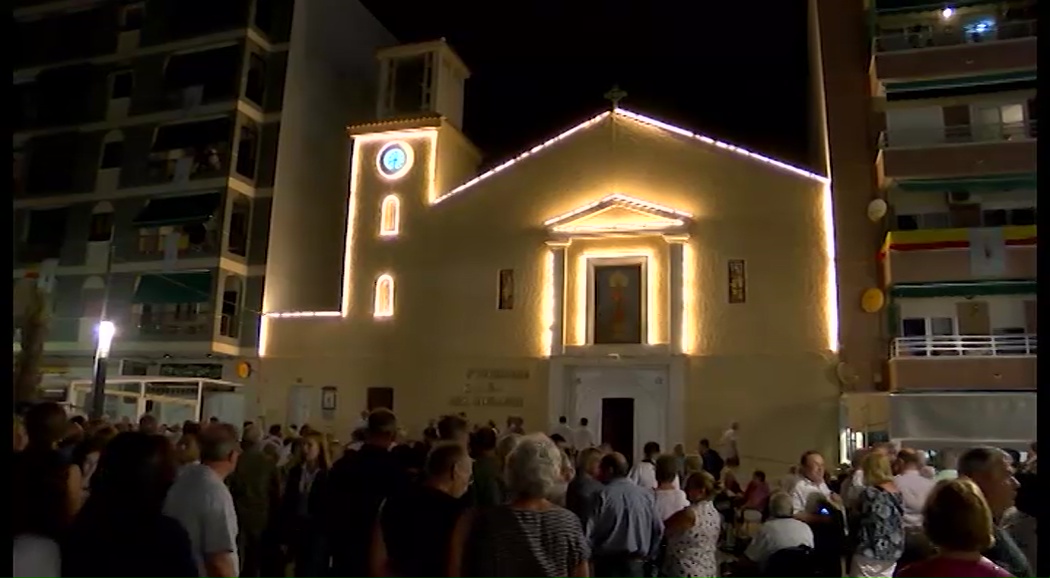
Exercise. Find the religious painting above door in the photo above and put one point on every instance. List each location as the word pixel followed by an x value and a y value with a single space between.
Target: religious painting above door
pixel 618 304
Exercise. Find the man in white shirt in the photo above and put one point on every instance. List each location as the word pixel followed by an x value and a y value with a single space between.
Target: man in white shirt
pixel 583 438
pixel 780 532
pixel 913 486
pixel 644 472
pixel 728 443
pixel 201 502
pixel 564 430
pixel 810 490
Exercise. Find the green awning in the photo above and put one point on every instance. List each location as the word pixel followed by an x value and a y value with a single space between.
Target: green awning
pixel 964 289
pixel 960 82
pixel 170 288
pixel 184 210
pixel 985 184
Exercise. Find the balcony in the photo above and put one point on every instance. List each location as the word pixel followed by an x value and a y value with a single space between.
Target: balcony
pixel 957 151
pixel 172 326
pixel 943 255
pixel 932 52
pixel 963 363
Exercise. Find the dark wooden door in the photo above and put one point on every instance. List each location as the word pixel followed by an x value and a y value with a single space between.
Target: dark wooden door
pixel 380 397
pixel 618 425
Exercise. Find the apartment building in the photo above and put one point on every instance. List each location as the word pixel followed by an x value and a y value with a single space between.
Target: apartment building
pixel 930 138
pixel 149 140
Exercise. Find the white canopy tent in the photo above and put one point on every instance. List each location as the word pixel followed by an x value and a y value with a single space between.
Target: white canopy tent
pixel 171 399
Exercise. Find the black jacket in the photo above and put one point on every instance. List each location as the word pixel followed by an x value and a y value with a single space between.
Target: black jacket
pixel 288 517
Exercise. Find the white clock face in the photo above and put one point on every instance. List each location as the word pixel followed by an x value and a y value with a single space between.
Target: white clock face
pixel 394 160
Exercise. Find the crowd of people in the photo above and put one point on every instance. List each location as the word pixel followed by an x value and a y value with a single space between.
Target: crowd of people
pixel 98 499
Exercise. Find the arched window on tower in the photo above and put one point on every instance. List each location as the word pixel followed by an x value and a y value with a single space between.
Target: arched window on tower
pixel 390 216
pixel 384 297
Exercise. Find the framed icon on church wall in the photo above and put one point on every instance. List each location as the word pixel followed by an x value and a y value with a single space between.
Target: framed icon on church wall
pixel 737 281
pixel 329 398
pixel 618 304
pixel 506 289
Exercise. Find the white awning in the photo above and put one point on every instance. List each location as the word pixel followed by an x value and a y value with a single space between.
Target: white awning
pixel 936 420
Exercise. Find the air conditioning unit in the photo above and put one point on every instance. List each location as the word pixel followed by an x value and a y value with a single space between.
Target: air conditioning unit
pixel 962 198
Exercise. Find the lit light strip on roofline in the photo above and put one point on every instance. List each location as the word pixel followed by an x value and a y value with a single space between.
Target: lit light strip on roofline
pixel 640 118
pixel 625 228
pixel 616 199
pixel 722 145
pixel 523 156
pixel 302 314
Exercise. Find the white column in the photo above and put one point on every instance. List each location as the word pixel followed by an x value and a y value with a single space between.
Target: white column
pixel 558 296
pixel 677 302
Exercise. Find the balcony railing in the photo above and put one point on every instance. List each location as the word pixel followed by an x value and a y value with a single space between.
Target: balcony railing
pixel 171 324
pixel 184 165
pixel 930 38
pixel 960 134
pixel 964 345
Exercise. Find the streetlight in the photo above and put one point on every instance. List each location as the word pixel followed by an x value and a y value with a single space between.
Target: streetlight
pixel 105 332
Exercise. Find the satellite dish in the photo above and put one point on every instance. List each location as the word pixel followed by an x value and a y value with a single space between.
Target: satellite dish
pixel 877 210
pixel 846 374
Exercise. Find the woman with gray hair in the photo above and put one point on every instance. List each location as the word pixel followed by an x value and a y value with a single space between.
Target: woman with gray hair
pixel 529 536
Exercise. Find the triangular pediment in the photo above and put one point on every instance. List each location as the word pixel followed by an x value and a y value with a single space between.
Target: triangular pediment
pixel 620 113
pixel 618 213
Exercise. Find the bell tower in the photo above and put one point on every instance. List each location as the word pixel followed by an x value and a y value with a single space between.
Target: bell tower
pixel 415 79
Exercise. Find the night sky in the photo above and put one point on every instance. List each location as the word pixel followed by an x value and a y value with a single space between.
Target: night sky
pixel 736 71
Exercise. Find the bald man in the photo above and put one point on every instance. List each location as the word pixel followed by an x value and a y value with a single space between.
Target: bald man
pixel 624 528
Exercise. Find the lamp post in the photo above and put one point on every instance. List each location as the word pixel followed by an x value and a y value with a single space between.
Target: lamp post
pixel 103 340
pixel 105 332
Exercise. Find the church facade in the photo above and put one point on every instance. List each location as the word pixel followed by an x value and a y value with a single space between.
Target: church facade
pixel 656 281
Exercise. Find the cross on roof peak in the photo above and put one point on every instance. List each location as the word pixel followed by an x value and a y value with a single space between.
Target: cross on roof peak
pixel 615 95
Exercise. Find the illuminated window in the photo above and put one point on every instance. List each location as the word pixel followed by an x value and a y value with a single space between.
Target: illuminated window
pixel 384 299
pixel 390 216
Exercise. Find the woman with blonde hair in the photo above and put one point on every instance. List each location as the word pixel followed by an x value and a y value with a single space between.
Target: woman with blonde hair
pixel 879 523
pixel 504 447
pixel 958 521
pixel 301 512
pixel 692 464
pixel 692 533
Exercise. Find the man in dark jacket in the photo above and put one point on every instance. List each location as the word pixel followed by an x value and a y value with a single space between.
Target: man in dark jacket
pixel 359 484
pixel 488 489
pixel 256 489
pixel 713 462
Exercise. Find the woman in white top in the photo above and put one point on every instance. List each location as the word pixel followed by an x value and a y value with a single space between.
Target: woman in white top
pixel 669 498
pixel 692 533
